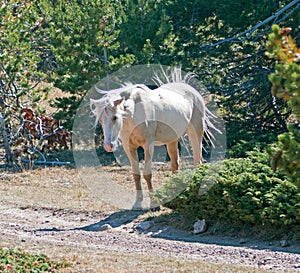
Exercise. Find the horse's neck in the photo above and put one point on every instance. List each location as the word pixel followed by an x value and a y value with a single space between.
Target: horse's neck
pixel 128 123
pixel 128 126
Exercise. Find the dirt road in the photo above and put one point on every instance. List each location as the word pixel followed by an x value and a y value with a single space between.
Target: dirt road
pixel 56 216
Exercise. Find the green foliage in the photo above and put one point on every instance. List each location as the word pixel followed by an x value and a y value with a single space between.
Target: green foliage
pixel 19 71
pixel 88 39
pixel 245 141
pixel 144 30
pixel 286 154
pixel 19 56
pixel 75 43
pixel 19 261
pixel 236 71
pixel 286 78
pixel 285 84
pixel 79 34
pixel 238 191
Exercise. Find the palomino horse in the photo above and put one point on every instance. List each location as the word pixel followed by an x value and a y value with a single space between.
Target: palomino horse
pixel 139 116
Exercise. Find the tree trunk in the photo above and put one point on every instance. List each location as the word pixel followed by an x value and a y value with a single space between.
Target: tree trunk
pixel 8 153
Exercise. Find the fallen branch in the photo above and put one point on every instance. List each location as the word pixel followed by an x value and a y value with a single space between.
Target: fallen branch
pixel 46 163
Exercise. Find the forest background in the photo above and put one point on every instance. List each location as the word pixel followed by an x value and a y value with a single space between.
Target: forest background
pixel 71 45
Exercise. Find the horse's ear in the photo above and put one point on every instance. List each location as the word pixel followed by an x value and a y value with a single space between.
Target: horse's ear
pixel 118 101
pixel 93 105
pixel 100 91
pixel 128 107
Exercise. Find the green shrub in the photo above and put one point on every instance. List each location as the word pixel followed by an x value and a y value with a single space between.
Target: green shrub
pixel 247 141
pixel 243 190
pixel 19 261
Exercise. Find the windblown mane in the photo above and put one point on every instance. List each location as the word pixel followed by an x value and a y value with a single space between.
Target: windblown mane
pixel 99 105
pixel 174 77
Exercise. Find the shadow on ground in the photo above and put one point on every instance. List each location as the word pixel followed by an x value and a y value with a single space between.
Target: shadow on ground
pixel 162 226
pixel 114 220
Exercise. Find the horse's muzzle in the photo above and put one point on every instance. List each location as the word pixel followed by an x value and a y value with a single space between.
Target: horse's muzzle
pixel 110 146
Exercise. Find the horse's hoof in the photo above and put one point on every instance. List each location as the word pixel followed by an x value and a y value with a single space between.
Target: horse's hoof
pixel 137 206
pixel 137 209
pixel 155 209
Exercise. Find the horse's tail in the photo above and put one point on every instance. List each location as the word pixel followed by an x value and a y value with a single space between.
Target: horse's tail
pixel 210 126
pixel 176 76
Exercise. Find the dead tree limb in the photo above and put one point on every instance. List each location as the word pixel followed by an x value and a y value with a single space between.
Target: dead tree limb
pixel 241 37
pixel 8 153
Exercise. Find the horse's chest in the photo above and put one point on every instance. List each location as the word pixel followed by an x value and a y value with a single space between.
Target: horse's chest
pixel 136 134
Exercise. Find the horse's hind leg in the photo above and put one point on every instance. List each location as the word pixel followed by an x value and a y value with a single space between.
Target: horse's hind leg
pixel 195 134
pixel 172 149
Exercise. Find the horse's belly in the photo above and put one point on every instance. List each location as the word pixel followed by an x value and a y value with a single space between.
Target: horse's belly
pixel 172 120
pixel 166 132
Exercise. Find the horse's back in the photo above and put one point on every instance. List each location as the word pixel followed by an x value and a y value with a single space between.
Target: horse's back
pixel 173 112
pixel 165 113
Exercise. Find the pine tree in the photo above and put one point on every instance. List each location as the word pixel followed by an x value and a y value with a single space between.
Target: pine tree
pixel 81 37
pixel 19 72
pixel 285 84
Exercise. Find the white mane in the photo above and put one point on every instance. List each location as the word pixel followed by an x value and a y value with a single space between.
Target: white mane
pixel 108 96
pixel 174 77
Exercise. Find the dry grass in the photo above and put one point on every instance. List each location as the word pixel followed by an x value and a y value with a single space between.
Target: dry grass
pixel 113 263
pixel 58 188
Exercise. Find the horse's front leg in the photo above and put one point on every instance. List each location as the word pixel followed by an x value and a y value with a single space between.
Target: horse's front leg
pixel 139 192
pixel 137 180
pixel 134 162
pixel 147 171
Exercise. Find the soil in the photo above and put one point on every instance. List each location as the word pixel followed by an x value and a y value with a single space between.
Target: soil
pixel 52 211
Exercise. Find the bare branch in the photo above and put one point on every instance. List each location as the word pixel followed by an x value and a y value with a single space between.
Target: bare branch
pixel 249 32
pixel 8 152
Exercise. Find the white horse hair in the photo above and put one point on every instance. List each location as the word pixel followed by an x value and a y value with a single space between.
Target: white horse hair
pixel 139 116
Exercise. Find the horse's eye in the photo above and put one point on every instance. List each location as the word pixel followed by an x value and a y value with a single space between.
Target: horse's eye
pixel 114 118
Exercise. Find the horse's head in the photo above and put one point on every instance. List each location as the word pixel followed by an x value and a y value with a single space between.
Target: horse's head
pixel 109 113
